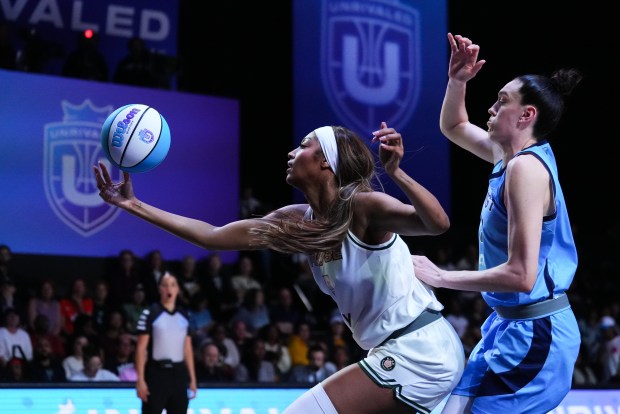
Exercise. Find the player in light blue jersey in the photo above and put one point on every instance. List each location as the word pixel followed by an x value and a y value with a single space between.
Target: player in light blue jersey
pixel 527 256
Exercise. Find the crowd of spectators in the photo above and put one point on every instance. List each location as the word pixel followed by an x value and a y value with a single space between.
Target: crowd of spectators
pixel 247 325
pixel 244 328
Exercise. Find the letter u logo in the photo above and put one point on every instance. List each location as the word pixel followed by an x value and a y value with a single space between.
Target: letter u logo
pixel 368 80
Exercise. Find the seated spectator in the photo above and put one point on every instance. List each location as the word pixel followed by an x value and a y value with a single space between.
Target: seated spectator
pixel 124 278
pixel 254 367
pixel 93 369
pixel 46 367
pixel 74 362
pixel 299 344
pixel 244 279
pixel 253 311
pixel 276 350
pixel 114 327
pixel 339 335
pixel 14 340
pixel 240 335
pixel 121 362
pixel 317 369
pixel 610 349
pixel 134 309
pixel 16 370
pixel 153 269
pixel 341 358
pixel 188 280
pixel 286 313
pixel 228 348
pixel 218 288
pixel 101 305
pixel 210 365
pixel 76 303
pixel 10 299
pixel 84 326
pixel 46 303
pixel 200 318
pixel 41 332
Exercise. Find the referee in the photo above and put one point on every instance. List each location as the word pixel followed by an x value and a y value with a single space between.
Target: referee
pixel 164 356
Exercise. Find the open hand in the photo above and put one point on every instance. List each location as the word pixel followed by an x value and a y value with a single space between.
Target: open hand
pixel 117 194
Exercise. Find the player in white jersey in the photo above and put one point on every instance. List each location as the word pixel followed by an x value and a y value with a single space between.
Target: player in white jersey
pixel 351 235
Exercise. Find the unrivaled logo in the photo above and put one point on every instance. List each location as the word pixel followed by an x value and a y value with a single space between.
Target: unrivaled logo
pixel 71 148
pixel 370 54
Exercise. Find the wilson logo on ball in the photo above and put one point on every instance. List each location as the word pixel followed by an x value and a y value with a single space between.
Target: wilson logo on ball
pixel 121 128
pixel 135 138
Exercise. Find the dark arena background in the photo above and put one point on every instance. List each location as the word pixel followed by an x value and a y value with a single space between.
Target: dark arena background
pixel 231 87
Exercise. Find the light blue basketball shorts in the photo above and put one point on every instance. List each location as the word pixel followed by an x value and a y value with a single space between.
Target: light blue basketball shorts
pixel 522 366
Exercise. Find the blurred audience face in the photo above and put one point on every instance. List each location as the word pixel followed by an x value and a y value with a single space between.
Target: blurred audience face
pixel 47 291
pixel 214 264
pixel 316 358
pixel 92 365
pixel 125 346
pixel 101 291
pixel 79 288
pixel 285 297
pixel 211 355
pixel 127 260
pixel 43 350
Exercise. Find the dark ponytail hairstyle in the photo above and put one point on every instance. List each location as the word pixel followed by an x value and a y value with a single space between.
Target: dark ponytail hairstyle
pixel 548 95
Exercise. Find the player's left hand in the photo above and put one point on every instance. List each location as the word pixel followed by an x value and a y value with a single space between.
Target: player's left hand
pixel 391 148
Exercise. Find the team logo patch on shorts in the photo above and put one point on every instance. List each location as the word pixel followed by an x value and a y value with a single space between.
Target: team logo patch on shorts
pixel 388 363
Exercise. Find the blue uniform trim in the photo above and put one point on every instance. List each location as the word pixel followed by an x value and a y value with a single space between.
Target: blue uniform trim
pixel 510 382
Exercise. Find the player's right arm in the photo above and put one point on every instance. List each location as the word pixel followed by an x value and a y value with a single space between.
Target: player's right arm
pixel 232 236
pixel 454 120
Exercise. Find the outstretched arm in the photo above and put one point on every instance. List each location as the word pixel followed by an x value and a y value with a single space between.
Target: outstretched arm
pixel 232 236
pixel 528 200
pixel 454 121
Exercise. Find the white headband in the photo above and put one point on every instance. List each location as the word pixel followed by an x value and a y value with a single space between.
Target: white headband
pixel 327 139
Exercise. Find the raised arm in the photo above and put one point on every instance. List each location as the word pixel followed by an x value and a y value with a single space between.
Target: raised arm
pixel 232 236
pixel 454 121
pixel 424 216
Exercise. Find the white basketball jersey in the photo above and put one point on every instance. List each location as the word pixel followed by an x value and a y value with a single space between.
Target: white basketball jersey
pixel 374 287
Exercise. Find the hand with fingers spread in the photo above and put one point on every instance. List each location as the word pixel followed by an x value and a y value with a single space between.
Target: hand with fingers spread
pixel 118 194
pixel 391 149
pixel 464 63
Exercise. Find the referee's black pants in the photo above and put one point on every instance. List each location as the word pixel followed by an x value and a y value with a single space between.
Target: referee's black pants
pixel 167 382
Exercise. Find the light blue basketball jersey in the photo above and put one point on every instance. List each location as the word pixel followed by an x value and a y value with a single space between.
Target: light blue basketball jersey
pixel 557 259
pixel 524 366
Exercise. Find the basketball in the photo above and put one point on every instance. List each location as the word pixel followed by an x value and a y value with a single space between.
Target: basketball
pixel 135 138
